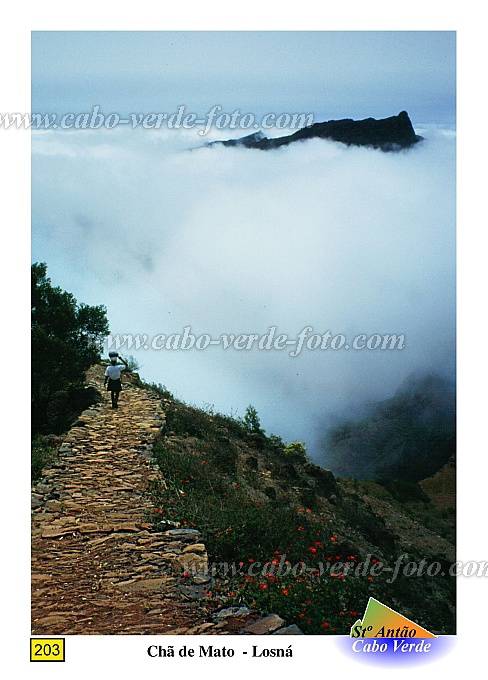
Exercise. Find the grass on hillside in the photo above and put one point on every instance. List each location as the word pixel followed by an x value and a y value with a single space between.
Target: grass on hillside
pixel 281 552
pixel 204 485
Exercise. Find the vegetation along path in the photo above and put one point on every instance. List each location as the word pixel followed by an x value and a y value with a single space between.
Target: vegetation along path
pixel 98 565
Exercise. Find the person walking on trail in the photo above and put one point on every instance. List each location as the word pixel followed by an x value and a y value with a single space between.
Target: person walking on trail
pixel 112 376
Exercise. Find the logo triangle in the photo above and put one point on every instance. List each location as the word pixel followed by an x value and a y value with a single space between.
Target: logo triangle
pixel 379 621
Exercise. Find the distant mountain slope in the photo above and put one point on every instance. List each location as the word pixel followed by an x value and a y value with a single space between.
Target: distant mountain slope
pixel 388 134
pixel 441 488
pixel 410 436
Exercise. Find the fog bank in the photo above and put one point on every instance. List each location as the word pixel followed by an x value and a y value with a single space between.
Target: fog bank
pixel 229 241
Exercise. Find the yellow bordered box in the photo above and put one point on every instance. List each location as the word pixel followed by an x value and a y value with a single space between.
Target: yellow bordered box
pixel 47 649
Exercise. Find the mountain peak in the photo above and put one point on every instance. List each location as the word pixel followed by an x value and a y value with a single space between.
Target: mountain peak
pixel 388 134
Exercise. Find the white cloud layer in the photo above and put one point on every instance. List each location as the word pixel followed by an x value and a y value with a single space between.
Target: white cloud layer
pixel 229 240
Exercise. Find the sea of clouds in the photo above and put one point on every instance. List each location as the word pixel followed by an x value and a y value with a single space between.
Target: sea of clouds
pixel 168 234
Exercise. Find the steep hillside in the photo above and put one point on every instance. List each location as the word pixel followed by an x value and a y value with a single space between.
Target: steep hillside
pixel 409 436
pixel 187 521
pixel 257 500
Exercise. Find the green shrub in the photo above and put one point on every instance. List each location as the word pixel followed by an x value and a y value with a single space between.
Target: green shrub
pixel 43 454
pixel 187 421
pixel 296 452
pixel 133 364
pixel 160 390
pixel 66 405
pixel 234 427
pixel 251 420
pixel 319 605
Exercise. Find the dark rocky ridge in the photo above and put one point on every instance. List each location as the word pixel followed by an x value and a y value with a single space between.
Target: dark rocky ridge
pixel 387 134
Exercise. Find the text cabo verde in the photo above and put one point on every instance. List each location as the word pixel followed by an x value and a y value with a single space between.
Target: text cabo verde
pixel 371 645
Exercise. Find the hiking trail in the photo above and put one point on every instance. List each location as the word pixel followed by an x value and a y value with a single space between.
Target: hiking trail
pixel 98 564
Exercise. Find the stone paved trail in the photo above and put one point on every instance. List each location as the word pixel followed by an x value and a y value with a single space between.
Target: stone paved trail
pixel 98 566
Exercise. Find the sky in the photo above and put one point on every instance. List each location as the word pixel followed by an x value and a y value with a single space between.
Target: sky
pixel 170 234
pixel 336 74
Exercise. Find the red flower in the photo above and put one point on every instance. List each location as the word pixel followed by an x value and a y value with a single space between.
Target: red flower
pixel 313 550
pixel 250 560
pixel 263 586
pixel 325 624
pixel 284 591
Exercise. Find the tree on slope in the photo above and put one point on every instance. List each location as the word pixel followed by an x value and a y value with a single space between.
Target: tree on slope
pixel 67 338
